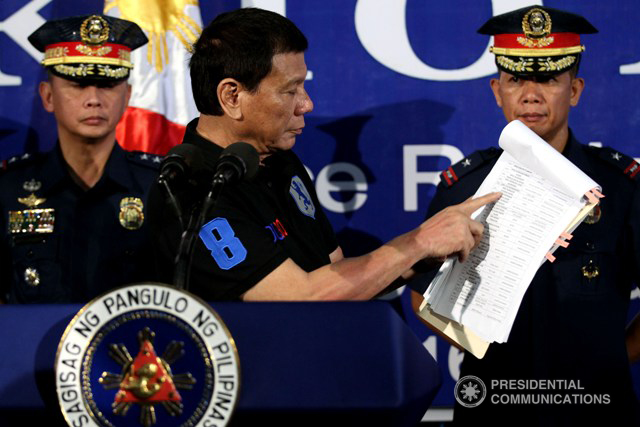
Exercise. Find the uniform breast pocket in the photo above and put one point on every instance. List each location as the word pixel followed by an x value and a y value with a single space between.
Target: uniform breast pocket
pixel 37 272
pixel 587 270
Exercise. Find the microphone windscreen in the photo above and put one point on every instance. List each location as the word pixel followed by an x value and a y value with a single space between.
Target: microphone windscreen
pixel 189 153
pixel 182 163
pixel 247 154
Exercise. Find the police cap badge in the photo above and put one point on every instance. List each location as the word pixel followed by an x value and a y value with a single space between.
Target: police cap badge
pixel 537 41
pixel 86 48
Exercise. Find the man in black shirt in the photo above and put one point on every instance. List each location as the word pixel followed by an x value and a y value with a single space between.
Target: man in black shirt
pixel 267 238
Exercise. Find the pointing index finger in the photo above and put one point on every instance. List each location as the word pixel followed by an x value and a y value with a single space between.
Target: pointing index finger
pixel 471 205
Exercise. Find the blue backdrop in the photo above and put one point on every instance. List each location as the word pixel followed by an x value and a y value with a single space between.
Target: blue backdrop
pixel 400 89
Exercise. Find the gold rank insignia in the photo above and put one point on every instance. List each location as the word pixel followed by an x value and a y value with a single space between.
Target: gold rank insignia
pixel 131 215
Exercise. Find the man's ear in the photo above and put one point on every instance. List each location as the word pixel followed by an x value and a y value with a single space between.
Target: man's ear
pixel 229 97
pixel 128 94
pixel 495 87
pixel 577 86
pixel 46 95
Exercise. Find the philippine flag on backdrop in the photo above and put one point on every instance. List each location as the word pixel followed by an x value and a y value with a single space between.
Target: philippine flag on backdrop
pixel 161 103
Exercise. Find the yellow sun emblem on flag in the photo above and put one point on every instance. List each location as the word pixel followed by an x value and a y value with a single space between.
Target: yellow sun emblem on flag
pixel 156 18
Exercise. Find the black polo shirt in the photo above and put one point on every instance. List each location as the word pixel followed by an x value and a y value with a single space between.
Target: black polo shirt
pixel 253 228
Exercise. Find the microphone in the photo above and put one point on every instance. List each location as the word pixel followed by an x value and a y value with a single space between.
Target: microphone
pixel 238 161
pixel 180 163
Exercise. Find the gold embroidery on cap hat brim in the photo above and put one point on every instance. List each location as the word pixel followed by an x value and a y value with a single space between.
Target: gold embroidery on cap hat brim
pixel 533 52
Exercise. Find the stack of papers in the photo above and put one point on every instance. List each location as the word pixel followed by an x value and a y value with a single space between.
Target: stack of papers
pixel 544 196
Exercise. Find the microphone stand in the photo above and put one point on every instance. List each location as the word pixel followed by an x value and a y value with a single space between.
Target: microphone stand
pixel 172 198
pixel 184 257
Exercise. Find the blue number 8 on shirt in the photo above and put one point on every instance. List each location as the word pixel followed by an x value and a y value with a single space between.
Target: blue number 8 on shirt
pixel 226 249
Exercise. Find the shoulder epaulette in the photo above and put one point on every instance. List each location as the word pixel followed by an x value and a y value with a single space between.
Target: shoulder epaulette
pixel 451 175
pixel 17 161
pixel 145 159
pixel 626 164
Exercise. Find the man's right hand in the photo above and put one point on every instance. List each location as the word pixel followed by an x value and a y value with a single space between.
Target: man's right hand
pixel 452 231
pixel 449 232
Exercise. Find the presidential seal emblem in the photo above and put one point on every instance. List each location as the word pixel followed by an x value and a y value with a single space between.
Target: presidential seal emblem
pixel 147 355
pixel 302 197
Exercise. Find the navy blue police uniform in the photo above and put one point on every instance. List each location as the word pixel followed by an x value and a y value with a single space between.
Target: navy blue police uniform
pixel 569 333
pixel 571 323
pixel 254 226
pixel 62 243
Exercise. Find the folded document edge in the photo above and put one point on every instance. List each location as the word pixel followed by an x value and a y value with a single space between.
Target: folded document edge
pixel 458 333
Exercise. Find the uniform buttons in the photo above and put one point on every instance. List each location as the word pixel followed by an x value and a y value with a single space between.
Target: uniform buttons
pixel 30 253
pixel 590 245
pixel 31 276
pixel 129 252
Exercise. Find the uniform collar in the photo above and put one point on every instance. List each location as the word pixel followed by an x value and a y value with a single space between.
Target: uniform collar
pixel 575 152
pixel 55 171
pixel 117 168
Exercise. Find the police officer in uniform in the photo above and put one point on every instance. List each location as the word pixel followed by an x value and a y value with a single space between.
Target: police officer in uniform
pixel 268 239
pixel 571 323
pixel 72 219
